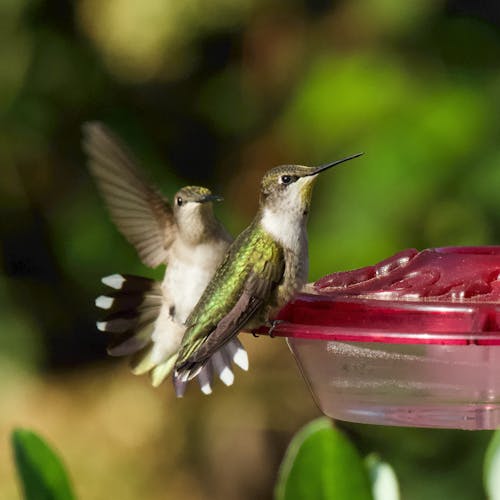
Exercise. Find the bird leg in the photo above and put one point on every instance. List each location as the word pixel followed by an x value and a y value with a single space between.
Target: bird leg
pixel 274 324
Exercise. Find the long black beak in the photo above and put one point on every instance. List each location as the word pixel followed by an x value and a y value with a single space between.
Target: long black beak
pixel 319 169
pixel 209 197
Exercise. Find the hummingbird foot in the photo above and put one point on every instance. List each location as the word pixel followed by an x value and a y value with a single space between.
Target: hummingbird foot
pixel 274 324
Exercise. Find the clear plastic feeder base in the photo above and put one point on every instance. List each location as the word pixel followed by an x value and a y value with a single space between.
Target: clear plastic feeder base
pixel 429 385
pixel 412 341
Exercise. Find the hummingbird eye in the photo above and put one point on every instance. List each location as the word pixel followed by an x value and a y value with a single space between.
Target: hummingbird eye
pixel 288 179
pixel 179 201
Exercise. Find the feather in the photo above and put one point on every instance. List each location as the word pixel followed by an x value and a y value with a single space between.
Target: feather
pixel 238 293
pixel 161 371
pixel 237 353
pixel 129 197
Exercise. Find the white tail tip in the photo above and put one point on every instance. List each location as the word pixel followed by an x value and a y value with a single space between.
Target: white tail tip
pixel 114 281
pixel 222 366
pixel 180 388
pixel 205 379
pixel 103 302
pixel 101 325
pixel 227 376
pixel 206 389
pixel 240 358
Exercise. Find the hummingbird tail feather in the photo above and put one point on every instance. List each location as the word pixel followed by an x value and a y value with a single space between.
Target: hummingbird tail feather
pixel 132 308
pixel 205 379
pixel 143 361
pixel 180 387
pixel 219 363
pixel 222 365
pixel 187 372
pixel 114 281
pixel 139 324
pixel 237 353
pixel 195 371
pixel 160 372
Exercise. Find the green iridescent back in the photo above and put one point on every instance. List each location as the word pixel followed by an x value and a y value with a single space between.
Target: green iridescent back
pixel 254 252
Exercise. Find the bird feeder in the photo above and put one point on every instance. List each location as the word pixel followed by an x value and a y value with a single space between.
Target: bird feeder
pixel 411 341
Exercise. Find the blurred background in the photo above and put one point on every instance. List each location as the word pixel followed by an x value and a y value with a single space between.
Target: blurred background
pixel 215 94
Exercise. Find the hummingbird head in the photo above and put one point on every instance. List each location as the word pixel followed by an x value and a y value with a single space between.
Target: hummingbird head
pixel 193 212
pixel 288 188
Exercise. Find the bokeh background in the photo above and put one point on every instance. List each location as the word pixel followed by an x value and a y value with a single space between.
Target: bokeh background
pixel 215 93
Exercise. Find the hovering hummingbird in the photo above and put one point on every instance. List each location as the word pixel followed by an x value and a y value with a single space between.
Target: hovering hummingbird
pixel 145 317
pixel 263 269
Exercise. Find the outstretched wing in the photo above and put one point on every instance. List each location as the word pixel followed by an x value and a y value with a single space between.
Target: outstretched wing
pixel 137 208
pixel 239 290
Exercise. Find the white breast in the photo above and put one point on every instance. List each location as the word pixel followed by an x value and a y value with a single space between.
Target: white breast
pixel 189 270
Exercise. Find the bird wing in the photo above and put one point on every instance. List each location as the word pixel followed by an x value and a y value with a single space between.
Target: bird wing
pixel 137 208
pixel 242 285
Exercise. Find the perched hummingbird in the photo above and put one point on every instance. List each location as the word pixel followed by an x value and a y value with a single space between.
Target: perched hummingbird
pixel 146 318
pixel 263 269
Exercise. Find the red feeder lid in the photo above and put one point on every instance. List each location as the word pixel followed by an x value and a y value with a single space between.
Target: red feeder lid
pixel 437 296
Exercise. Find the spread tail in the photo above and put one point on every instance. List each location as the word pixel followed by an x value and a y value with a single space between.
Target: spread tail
pixel 132 307
pixel 138 324
pixel 220 363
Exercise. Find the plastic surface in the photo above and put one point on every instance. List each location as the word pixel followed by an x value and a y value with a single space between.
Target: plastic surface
pixel 414 340
pixel 442 296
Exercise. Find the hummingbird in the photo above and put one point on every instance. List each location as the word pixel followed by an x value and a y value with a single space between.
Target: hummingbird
pixel 262 270
pixel 146 317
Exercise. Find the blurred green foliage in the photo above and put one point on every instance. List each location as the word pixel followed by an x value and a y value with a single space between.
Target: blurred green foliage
pixel 492 468
pixel 321 463
pixel 383 479
pixel 41 473
pixel 216 96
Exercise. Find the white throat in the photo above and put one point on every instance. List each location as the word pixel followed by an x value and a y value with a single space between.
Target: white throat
pixel 285 221
pixel 191 223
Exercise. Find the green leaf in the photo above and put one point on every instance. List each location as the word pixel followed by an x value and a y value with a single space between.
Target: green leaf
pixel 41 472
pixel 492 468
pixel 383 478
pixel 321 463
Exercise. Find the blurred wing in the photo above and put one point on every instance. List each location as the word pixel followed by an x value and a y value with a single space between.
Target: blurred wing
pixel 139 211
pixel 252 270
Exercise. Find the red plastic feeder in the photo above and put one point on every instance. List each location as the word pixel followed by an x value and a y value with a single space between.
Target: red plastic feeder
pixel 414 340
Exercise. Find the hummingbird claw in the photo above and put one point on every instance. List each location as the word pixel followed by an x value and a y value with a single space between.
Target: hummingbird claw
pixel 274 324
